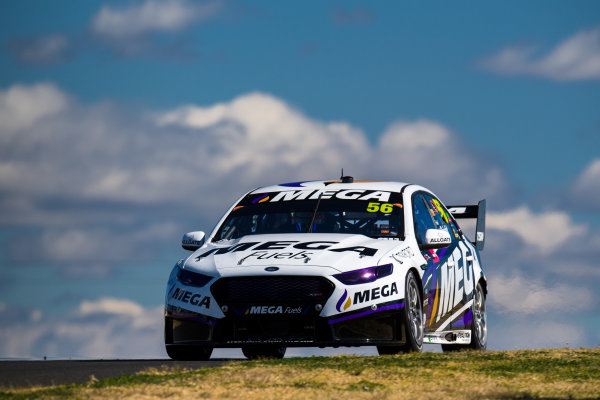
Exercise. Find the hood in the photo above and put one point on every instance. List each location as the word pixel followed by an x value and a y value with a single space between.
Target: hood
pixel 341 252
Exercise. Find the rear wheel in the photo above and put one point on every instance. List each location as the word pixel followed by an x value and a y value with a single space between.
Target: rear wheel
pixel 478 324
pixel 256 352
pixel 188 353
pixel 412 318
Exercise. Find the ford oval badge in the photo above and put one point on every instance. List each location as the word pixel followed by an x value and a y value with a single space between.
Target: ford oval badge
pixel 272 269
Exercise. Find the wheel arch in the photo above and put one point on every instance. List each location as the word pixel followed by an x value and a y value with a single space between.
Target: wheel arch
pixel 483 282
pixel 419 281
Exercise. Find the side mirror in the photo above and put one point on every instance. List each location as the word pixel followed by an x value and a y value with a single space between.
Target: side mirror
pixel 192 240
pixel 436 239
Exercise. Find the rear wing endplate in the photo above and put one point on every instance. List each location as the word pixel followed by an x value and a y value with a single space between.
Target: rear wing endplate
pixel 472 211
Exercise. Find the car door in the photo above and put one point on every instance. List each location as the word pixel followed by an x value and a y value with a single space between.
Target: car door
pixel 444 278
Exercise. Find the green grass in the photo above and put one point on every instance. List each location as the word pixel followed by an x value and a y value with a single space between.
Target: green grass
pixel 525 374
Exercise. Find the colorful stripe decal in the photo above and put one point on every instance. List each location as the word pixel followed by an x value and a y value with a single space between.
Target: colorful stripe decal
pixel 435 304
pixel 454 316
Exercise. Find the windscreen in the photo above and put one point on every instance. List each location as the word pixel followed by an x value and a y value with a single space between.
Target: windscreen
pixel 367 212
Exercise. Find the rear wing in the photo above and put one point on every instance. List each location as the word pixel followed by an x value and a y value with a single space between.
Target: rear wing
pixel 472 211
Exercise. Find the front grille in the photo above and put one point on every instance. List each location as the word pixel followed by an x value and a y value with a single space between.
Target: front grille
pixel 265 288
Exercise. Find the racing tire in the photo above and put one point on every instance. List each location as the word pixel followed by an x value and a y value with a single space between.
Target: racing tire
pixel 255 352
pixel 189 353
pixel 412 319
pixel 478 325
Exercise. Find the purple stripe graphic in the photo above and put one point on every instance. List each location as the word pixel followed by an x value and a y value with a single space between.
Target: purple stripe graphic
pixel 442 253
pixel 468 318
pixel 362 314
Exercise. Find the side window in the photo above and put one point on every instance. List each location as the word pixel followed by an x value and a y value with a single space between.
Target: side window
pixel 441 217
pixel 422 217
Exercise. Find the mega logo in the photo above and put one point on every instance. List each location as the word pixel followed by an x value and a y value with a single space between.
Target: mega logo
pixel 263 310
pixel 194 299
pixel 364 296
pixel 262 250
pixel 375 293
pixel 344 302
pixel 456 282
pixel 352 194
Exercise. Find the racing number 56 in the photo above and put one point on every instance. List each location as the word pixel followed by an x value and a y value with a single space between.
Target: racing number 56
pixel 385 208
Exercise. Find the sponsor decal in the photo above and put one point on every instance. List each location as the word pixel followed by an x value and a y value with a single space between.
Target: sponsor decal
pixel 385 208
pixel 375 293
pixel 456 282
pixel 265 255
pixel 191 242
pixel 352 194
pixel 262 250
pixel 407 252
pixel 463 335
pixel 271 310
pixel 364 296
pixel 194 299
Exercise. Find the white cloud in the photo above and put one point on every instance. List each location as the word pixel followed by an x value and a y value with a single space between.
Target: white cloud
pixel 585 191
pixel 575 58
pixel 521 294
pixel 150 16
pixel 21 106
pixel 107 328
pixel 257 132
pixel 546 231
pixel 101 153
pixel 97 178
pixel 104 328
pixel 90 250
pixel 427 153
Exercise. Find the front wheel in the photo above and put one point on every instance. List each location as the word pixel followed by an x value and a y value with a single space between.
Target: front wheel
pixel 412 318
pixel 254 353
pixel 478 324
pixel 189 353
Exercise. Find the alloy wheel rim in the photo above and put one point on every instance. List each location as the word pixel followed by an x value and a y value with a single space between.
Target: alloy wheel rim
pixel 480 317
pixel 415 311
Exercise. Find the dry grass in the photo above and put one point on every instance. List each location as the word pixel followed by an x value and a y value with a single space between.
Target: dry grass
pixel 547 374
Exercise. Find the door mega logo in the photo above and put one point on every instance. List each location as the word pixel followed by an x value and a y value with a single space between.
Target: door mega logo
pixel 366 295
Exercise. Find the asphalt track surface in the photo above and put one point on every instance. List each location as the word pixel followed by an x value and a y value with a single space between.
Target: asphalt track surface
pixel 15 374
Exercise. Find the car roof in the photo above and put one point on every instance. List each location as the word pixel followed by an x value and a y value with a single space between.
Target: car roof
pixel 333 185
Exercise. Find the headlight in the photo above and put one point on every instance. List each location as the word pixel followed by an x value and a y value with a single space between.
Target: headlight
pixel 364 275
pixel 190 278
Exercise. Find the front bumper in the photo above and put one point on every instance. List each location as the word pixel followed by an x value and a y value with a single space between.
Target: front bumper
pixel 365 327
pixel 283 310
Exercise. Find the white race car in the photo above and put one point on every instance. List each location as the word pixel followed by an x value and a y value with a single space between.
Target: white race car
pixel 330 263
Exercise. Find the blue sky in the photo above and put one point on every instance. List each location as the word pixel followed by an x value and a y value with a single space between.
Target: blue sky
pixel 125 124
